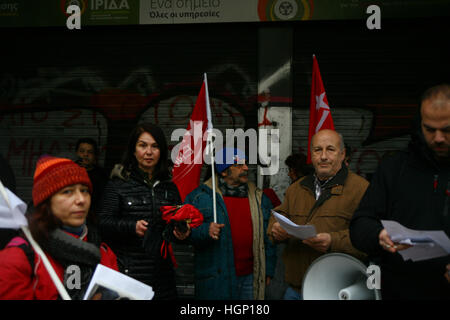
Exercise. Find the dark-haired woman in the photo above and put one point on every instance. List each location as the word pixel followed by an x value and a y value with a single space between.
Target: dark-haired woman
pixel 62 198
pixel 130 219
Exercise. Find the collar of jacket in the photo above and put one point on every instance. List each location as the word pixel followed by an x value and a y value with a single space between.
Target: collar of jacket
pixel 333 187
pixel 336 184
pixel 137 174
pixel 207 185
pixel 142 176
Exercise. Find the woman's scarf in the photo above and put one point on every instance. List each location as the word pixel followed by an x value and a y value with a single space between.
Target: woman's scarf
pixel 228 191
pixel 70 251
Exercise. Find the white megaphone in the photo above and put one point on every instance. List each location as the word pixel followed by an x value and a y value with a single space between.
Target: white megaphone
pixel 337 276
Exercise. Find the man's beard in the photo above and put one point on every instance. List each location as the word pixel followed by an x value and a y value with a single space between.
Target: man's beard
pixel 440 151
pixel 441 156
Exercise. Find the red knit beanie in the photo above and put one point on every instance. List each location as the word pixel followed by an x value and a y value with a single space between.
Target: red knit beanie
pixel 52 174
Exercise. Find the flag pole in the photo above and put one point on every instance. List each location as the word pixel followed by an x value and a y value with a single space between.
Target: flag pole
pixel 210 148
pixel 59 286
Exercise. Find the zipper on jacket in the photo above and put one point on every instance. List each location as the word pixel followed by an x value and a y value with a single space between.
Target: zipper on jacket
pixel 153 193
pixel 435 182
pixel 152 188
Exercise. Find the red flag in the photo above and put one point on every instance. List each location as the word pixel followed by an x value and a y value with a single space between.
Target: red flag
pixel 319 110
pixel 188 164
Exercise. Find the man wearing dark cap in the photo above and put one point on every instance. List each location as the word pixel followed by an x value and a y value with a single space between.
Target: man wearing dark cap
pixel 234 258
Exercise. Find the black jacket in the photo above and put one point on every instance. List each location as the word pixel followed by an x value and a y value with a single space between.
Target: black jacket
pixel 410 188
pixel 99 178
pixel 127 198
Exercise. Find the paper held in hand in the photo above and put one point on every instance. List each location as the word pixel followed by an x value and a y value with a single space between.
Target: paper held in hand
pixel 109 284
pixel 425 244
pixel 299 231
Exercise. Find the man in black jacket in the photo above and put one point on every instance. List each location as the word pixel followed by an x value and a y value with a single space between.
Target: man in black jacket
pixel 411 188
pixel 87 157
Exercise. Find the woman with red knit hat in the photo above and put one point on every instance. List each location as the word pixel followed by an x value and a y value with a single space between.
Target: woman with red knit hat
pixel 62 198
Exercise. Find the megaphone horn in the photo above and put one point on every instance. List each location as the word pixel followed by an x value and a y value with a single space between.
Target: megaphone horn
pixel 337 276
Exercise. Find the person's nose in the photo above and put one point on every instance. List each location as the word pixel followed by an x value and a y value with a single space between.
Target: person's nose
pixel 439 137
pixel 80 197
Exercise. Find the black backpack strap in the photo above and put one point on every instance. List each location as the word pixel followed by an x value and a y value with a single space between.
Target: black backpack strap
pixel 29 252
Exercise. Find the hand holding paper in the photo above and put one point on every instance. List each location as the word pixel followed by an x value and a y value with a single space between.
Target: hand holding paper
pixel 321 242
pixel 278 233
pixel 387 244
pixel 299 231
pixel 422 245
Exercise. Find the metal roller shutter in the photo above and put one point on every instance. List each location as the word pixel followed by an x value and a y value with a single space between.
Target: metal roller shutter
pixel 58 85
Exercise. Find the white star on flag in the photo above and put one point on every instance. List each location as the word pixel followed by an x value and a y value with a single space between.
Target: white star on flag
pixel 320 103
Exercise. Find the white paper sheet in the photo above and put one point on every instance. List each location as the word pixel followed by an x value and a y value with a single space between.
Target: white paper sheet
pixel 114 285
pixel 425 244
pixel 299 231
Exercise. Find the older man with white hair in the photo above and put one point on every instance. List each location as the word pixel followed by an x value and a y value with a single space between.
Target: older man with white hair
pixel 326 199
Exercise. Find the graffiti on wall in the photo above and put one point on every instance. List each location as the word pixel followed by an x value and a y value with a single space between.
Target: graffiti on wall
pixel 49 112
pixel 25 136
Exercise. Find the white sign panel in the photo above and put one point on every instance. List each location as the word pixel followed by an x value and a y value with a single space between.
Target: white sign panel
pixel 197 11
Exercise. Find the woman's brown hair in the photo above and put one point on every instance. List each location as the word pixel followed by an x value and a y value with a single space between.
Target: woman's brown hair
pixel 42 222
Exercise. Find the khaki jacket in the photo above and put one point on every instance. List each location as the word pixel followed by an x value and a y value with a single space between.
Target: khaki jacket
pixel 331 213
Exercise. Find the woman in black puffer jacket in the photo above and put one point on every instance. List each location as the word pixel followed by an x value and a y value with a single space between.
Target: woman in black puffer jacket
pixel 130 219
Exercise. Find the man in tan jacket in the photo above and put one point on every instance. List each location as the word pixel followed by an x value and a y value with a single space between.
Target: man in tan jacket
pixel 326 199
